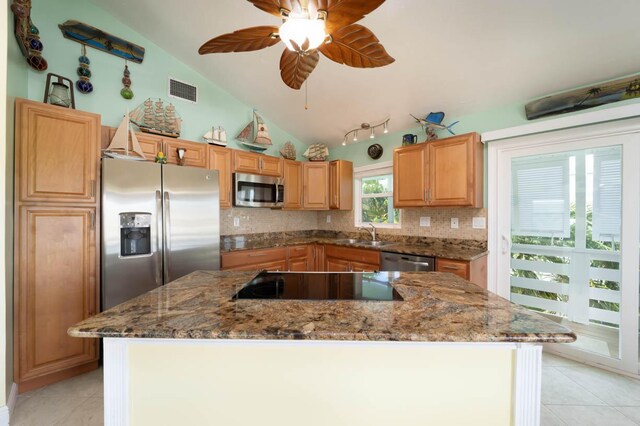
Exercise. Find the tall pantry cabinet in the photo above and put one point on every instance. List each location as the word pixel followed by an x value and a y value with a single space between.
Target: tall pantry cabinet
pixel 57 208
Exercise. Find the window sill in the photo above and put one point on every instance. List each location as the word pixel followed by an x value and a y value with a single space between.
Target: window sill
pixel 379 225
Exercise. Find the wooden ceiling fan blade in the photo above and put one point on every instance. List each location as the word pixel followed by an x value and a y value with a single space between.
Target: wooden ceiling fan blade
pixel 295 68
pixel 341 13
pixel 245 40
pixel 273 6
pixel 356 46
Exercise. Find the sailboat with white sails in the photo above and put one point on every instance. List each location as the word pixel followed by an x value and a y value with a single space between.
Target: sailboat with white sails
pixel 119 146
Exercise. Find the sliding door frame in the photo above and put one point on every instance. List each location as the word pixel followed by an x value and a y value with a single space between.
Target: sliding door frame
pixel 500 154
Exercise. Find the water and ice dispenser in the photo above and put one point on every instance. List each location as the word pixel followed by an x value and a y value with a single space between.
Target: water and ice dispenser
pixel 135 234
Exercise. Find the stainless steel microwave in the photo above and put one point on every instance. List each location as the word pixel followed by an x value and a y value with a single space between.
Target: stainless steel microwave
pixel 257 191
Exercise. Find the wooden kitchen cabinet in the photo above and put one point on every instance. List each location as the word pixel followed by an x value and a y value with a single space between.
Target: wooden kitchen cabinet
pixel 57 153
pixel 150 144
pixel 56 278
pixel 195 154
pixel 347 259
pixel 316 185
pixel 456 171
pixel 220 160
pixel 56 244
pixel 268 259
pixel 474 270
pixel 318 258
pixel 258 164
pixel 441 173
pixel 300 258
pixel 341 185
pixel 292 172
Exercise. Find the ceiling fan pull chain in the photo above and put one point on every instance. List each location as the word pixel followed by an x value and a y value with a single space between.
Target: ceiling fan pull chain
pixel 306 94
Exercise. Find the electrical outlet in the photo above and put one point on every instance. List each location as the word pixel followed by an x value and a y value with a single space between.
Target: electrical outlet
pixel 328 218
pixel 236 221
pixel 425 221
pixel 479 223
pixel 454 223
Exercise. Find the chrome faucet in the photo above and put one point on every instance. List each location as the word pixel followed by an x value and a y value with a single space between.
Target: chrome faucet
pixel 372 231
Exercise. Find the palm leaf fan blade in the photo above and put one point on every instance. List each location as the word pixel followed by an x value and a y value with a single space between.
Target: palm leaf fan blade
pixel 245 40
pixel 295 68
pixel 341 13
pixel 273 7
pixel 356 46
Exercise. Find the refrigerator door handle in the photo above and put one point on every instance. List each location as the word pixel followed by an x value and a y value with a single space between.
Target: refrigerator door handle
pixel 167 238
pixel 159 234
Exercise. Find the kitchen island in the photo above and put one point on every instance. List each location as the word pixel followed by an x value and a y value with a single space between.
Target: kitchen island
pixel 449 353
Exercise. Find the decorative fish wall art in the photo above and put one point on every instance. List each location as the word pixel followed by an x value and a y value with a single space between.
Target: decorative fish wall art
pixel 98 39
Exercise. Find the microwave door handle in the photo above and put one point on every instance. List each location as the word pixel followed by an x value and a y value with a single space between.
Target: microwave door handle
pixel 159 233
pixel 167 238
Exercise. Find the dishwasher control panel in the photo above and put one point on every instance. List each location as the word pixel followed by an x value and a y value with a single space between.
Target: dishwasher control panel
pixel 390 261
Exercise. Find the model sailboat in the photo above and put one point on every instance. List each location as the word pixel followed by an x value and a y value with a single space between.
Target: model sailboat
pixel 152 116
pixel 119 146
pixel 255 135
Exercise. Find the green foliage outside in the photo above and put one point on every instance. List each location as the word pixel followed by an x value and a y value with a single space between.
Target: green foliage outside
pixel 376 210
pixel 568 242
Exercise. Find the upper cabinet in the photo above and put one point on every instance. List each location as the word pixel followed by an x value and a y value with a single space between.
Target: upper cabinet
pixel 220 160
pixel 441 173
pixel 195 153
pixel 341 185
pixel 292 184
pixel 57 153
pixel 259 164
pixel 316 185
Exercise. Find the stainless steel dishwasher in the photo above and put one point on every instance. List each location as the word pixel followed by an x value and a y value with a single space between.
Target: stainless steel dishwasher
pixel 405 262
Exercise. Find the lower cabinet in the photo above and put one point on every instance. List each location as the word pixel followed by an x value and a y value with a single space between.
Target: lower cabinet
pixel 300 258
pixel 265 259
pixel 56 287
pixel 473 270
pixel 347 259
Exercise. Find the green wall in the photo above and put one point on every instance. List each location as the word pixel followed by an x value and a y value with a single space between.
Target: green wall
pixel 493 119
pixel 215 106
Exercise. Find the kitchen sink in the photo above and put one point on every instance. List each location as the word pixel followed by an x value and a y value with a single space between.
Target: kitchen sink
pixel 364 242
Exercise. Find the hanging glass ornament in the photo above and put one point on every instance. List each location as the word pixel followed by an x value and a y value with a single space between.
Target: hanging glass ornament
pixel 126 92
pixel 83 84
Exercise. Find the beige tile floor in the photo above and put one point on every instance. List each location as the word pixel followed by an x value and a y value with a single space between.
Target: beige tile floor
pixel 573 394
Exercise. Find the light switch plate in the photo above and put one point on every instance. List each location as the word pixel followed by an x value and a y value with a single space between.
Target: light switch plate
pixel 328 218
pixel 479 223
pixel 236 221
pixel 454 223
pixel 425 221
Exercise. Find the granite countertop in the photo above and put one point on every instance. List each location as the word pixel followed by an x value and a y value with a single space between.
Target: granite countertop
pixel 447 249
pixel 437 307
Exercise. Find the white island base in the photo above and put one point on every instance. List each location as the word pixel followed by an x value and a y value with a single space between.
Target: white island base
pixel 303 382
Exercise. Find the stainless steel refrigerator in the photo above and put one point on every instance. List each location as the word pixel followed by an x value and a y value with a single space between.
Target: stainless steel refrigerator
pixel 159 223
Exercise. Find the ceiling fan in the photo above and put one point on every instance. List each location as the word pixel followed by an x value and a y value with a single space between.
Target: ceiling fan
pixel 309 26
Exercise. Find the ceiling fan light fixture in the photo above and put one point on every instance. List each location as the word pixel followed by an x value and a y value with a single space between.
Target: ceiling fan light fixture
pixel 372 135
pixel 298 29
pixel 355 136
pixel 386 127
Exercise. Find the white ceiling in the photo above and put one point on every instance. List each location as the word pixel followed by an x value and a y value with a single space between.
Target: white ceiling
pixel 457 56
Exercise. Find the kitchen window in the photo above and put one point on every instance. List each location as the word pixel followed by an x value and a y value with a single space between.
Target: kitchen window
pixel 374 196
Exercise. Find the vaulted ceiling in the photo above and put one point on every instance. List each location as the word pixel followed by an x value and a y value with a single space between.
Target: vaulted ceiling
pixel 457 56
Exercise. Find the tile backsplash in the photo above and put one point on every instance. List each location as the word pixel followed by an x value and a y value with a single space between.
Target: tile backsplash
pixel 440 226
pixel 261 220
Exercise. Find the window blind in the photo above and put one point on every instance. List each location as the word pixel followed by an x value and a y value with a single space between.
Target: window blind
pixel 607 196
pixel 540 197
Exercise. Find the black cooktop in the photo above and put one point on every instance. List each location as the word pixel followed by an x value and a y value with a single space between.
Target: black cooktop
pixel 320 286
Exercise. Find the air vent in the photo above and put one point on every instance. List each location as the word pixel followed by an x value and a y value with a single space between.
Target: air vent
pixel 181 90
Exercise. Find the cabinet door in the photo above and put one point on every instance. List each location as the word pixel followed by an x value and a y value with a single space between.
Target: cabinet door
pixel 299 264
pixel 341 185
pixel 220 160
pixel 246 162
pixel 453 169
pixel 316 186
pixel 292 184
pixel 150 144
pixel 333 264
pixel 270 166
pixel 56 287
pixel 364 267
pixel 195 153
pixel 410 179
pixel 318 258
pixel 57 153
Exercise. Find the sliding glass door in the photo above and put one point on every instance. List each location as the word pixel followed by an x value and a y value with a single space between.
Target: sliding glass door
pixel 567 237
